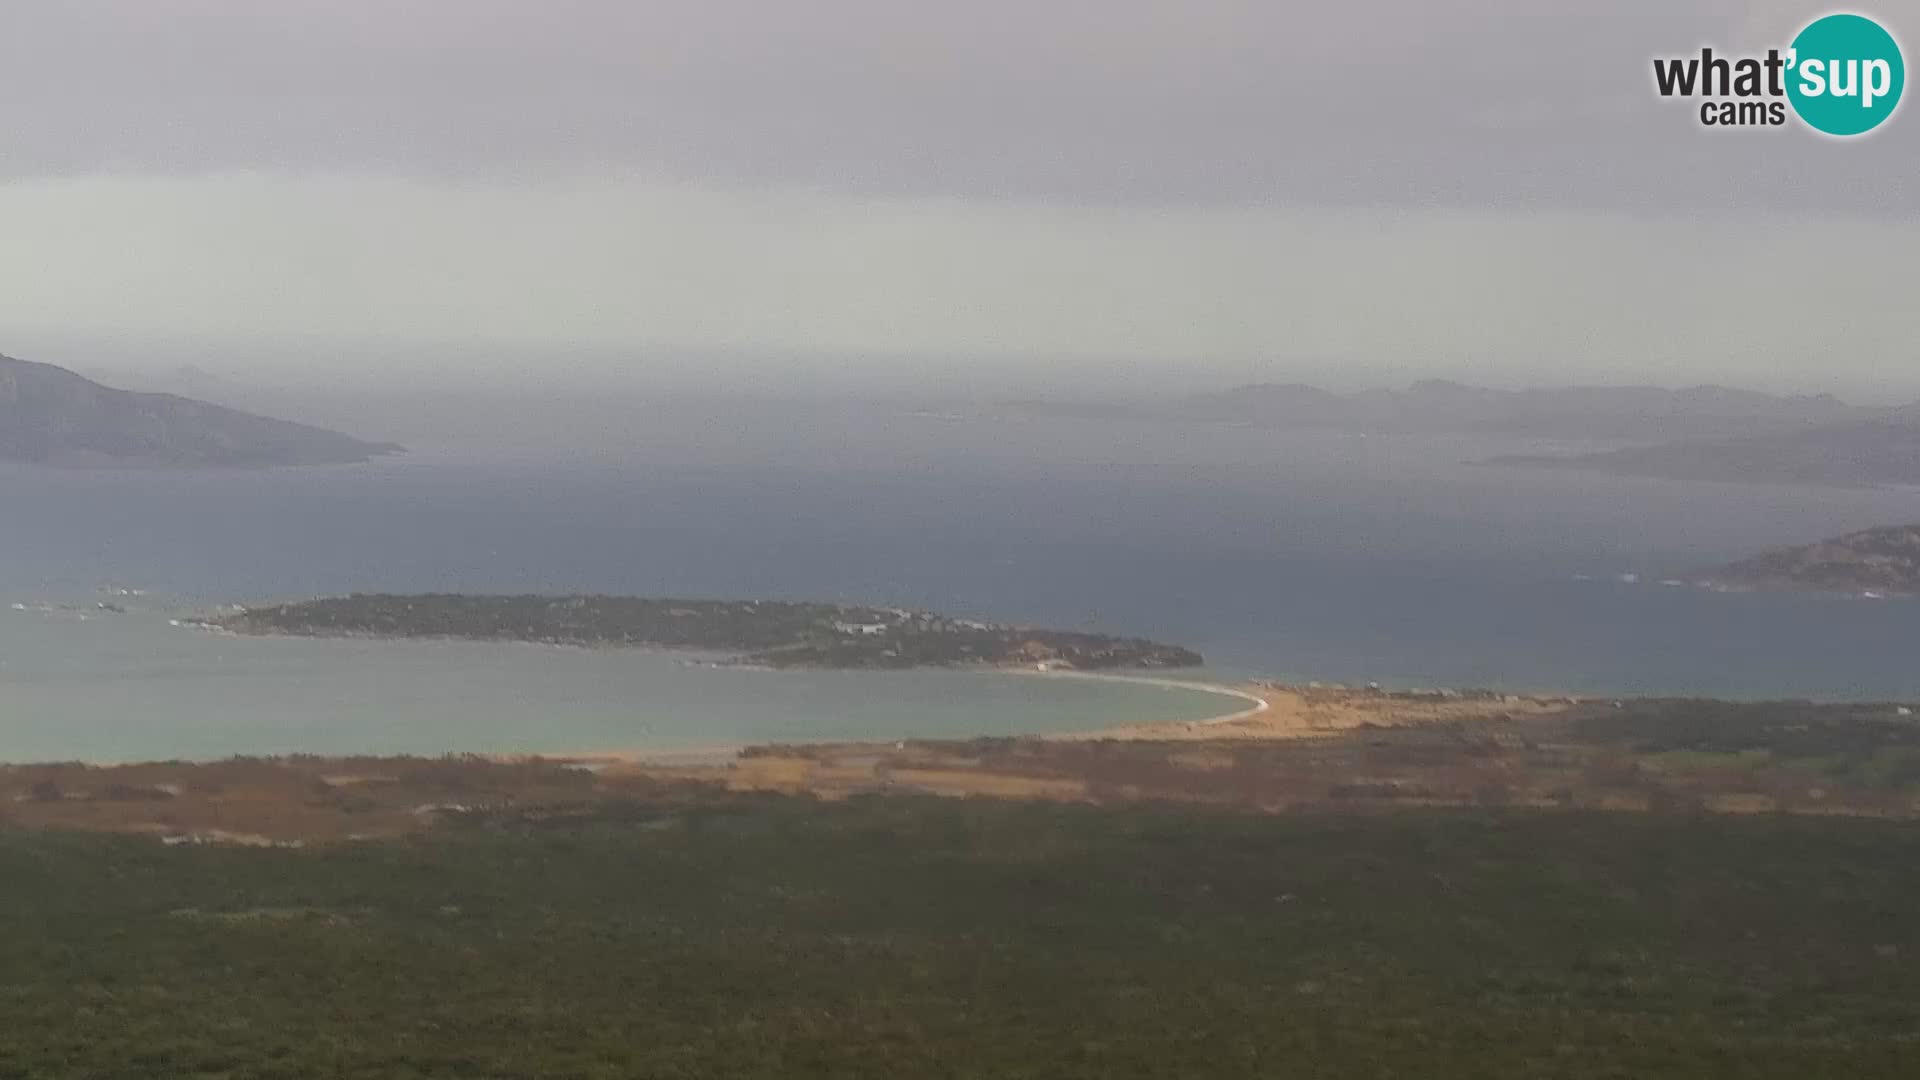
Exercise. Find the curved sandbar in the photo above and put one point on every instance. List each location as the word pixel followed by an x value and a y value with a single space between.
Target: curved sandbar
pixel 719 754
pixel 1258 704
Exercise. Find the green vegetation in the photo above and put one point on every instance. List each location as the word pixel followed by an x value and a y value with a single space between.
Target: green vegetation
pixel 1791 728
pixel 887 938
pixel 768 632
pixel 1854 747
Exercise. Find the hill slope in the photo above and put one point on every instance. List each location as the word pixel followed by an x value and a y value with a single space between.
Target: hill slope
pixel 1883 560
pixel 51 416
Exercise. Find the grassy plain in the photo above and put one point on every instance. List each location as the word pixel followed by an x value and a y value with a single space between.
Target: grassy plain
pixel 1350 884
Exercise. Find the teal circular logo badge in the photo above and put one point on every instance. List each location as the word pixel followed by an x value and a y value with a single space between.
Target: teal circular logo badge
pixel 1845 74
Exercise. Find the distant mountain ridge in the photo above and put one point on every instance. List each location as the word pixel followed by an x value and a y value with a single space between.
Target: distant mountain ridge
pixel 52 416
pixel 1598 413
pixel 1885 561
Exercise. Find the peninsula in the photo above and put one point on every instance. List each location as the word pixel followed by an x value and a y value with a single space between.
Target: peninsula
pixel 770 633
pixel 1883 561
pixel 51 416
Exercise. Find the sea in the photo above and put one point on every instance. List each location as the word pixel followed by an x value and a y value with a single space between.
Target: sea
pixel 1352 557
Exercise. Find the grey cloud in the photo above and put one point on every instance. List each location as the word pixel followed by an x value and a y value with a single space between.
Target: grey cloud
pixel 1480 104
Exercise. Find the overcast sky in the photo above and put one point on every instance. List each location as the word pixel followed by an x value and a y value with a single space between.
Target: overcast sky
pixel 1175 191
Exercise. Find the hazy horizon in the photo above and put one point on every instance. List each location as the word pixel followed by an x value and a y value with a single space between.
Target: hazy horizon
pixel 673 193
pixel 367 369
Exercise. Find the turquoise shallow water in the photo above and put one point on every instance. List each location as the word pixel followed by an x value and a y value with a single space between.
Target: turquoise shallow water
pixel 1297 555
pixel 132 687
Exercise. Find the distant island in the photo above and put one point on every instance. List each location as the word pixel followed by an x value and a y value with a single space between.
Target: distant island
pixel 1883 450
pixel 51 416
pixel 1714 433
pixel 1879 562
pixel 1639 414
pixel 770 633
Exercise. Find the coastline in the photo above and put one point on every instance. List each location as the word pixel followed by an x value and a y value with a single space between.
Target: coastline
pixel 716 755
pixel 1295 747
pixel 896 716
pixel 1266 710
pixel 1258 703
pixel 723 752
